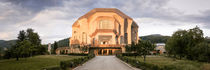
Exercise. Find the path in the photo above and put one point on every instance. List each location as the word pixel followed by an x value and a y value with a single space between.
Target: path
pixel 105 63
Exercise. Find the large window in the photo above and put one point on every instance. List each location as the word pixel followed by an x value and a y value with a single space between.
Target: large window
pixel 105 24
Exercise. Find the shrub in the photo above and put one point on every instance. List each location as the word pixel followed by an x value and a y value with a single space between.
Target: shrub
pixel 129 54
pixel 75 62
pixel 78 54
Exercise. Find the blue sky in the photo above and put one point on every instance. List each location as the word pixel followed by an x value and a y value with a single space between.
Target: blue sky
pixel 53 19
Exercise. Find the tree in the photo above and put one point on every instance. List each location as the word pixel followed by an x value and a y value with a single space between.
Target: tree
pixel 16 48
pixel 195 36
pixel 55 47
pixel 25 48
pixel 178 43
pixel 144 48
pixel 182 43
pixel 35 41
pixel 28 44
pixel 201 52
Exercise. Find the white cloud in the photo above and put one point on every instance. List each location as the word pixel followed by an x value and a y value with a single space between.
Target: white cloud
pixel 53 22
pixel 149 26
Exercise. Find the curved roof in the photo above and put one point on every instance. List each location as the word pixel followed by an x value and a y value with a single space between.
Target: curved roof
pixel 93 11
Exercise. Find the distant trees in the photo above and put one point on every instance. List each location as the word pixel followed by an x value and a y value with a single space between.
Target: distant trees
pixel 190 44
pixel 28 44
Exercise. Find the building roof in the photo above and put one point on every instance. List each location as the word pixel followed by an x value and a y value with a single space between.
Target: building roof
pixel 93 11
pixel 104 10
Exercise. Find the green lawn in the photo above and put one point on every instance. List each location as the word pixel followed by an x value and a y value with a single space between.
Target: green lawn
pixel 34 63
pixel 179 64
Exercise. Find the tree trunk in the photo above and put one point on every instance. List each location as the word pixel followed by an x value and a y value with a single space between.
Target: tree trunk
pixel 144 58
pixel 17 58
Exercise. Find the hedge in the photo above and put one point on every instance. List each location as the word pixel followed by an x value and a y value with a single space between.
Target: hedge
pixel 145 66
pixel 65 65
pixel 129 54
pixel 78 54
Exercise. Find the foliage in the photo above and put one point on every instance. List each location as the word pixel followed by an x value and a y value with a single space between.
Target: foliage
pixel 177 44
pixel 55 46
pixel 129 54
pixel 141 48
pixel 78 54
pixel 27 44
pixel 188 43
pixel 201 52
pixel 75 62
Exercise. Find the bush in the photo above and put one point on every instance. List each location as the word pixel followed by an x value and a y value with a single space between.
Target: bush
pixel 75 62
pixel 78 54
pixel 129 54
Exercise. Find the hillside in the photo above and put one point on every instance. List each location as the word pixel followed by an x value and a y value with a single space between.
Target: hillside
pixel 155 38
pixel 7 44
pixel 62 43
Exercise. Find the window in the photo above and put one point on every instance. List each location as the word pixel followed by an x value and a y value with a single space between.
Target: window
pixel 105 24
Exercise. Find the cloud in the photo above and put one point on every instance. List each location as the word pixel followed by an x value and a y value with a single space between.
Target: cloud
pixel 53 19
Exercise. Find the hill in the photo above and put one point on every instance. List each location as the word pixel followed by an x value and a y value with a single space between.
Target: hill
pixel 62 43
pixel 7 44
pixel 155 38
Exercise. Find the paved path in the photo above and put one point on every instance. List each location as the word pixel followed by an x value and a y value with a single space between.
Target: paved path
pixel 105 63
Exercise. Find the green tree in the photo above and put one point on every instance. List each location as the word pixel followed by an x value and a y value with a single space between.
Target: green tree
pixel 195 36
pixel 182 42
pixel 25 48
pixel 178 43
pixel 28 43
pixel 16 50
pixel 55 47
pixel 35 41
pixel 144 48
pixel 201 52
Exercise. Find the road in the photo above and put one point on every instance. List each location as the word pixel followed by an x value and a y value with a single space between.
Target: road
pixel 105 63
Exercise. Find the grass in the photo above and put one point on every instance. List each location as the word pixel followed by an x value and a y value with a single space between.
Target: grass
pixel 179 64
pixel 34 63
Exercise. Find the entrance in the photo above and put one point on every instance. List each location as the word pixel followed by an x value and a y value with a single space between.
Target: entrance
pixel 105 50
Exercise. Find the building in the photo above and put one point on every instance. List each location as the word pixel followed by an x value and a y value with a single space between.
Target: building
pixel 160 48
pixel 105 31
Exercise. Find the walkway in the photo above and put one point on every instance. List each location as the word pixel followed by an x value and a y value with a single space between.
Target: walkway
pixel 105 63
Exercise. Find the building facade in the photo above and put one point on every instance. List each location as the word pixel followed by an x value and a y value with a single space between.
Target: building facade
pixel 105 31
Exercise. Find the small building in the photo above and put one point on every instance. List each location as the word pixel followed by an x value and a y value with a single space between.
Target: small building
pixel 160 48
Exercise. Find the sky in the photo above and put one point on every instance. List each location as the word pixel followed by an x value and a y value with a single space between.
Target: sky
pixel 53 19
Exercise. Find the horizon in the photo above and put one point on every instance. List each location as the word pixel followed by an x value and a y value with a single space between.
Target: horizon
pixel 53 19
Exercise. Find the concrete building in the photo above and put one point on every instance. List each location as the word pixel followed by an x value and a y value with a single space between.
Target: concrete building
pixel 105 31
